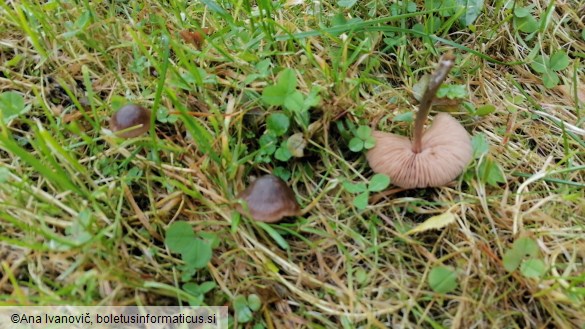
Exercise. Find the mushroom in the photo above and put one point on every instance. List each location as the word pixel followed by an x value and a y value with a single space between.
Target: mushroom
pixel 433 158
pixel 130 121
pixel 269 199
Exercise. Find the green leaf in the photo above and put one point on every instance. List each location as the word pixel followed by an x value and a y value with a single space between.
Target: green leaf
pixel 411 7
pixel 583 34
pixel 452 91
pixel 480 145
pixel 378 183
pixel 192 288
pixel 274 95
pixel 442 279
pixel 485 110
pixel 527 247
pixel 251 78
pixel 512 259
pixel 313 99
pixel 210 237
pixel 117 102
pixel 288 80
pixel 559 61
pixel 473 9
pixel 254 302
pixel 163 115
pixel 363 132
pixel 268 143
pixel 370 143
pixel 395 41
pixel 404 117
pixel 206 287
pixel 282 172
pixel 432 4
pixel 550 79
pixel 354 188
pixel 338 20
pixel 356 144
pixel 78 26
pixel 527 24
pixel 198 254
pixel 540 64
pixel 282 153
pixel 195 301
pixel 78 232
pixel 11 105
pixel 361 201
pixel 239 303
pixel 533 268
pixel 278 123
pixel 346 3
pixel 522 248
pixel 490 172
pixel 243 312
pixel 278 94
pixel 446 7
pixel 199 289
pixel 179 236
pixel 263 67
pixel 294 101
pixel 522 11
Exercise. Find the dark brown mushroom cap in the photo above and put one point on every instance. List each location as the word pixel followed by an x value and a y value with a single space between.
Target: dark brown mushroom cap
pixel 446 150
pixel 133 119
pixel 269 199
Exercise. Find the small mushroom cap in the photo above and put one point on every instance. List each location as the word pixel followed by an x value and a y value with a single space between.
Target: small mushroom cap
pixel 133 119
pixel 269 199
pixel 446 150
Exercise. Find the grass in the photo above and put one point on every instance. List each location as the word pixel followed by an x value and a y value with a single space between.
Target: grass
pixel 84 215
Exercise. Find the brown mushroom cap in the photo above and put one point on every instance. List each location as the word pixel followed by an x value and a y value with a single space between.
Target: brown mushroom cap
pixel 133 119
pixel 269 199
pixel 445 151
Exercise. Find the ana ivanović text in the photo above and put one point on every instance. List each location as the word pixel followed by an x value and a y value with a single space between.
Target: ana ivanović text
pixel 87 318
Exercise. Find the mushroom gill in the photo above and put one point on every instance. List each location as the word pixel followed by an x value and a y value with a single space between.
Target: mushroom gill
pixel 435 157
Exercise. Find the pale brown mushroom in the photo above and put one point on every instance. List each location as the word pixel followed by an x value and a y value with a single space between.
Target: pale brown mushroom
pixel 269 200
pixel 435 157
pixel 130 121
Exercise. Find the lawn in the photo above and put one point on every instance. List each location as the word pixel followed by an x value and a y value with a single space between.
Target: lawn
pixel 241 89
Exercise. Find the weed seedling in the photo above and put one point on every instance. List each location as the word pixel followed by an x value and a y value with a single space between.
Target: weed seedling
pixel 377 183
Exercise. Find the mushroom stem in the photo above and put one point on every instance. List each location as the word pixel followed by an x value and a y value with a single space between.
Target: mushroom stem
pixel 445 64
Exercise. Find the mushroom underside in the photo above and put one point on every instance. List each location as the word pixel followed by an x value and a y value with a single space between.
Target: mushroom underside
pixel 446 150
